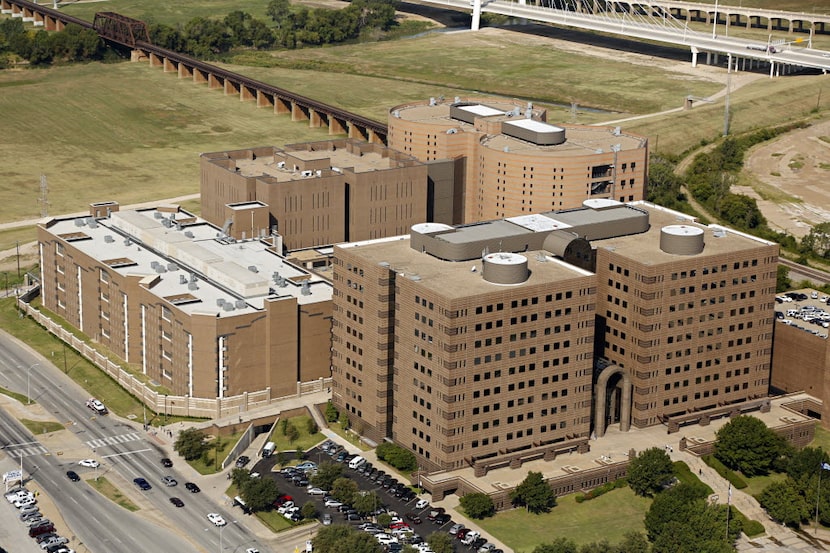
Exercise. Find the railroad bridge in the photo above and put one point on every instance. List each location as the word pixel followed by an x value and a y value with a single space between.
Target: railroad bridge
pixel 132 34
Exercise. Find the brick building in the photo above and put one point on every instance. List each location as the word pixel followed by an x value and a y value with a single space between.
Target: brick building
pixel 201 314
pixel 519 338
pixel 315 193
pixel 508 160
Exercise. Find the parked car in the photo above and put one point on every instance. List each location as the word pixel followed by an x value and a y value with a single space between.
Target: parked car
pixel 442 519
pixel 242 461
pixel 332 503
pixel 455 528
pixel 316 491
pixel 326 520
pixel 413 518
pixel 307 465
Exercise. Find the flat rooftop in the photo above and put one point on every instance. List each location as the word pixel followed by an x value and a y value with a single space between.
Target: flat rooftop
pixel 646 246
pixel 580 140
pixel 277 167
pixel 191 262
pixel 456 279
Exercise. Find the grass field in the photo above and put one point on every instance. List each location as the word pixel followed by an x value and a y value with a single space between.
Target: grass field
pixel 609 516
pixel 304 441
pixel 41 427
pixel 108 490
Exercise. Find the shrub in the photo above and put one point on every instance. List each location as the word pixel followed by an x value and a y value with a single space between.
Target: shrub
pixel 400 458
pixel 331 412
pixel 721 469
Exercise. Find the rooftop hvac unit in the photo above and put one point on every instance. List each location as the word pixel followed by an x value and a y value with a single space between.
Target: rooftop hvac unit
pixel 432 101
pixel 128 242
pixel 80 222
pixel 92 222
pixel 167 223
pixel 616 131
pixel 182 279
pixel 220 301
pixel 172 267
pixel 319 173
pixel 154 264
pixel 457 99
pixel 281 165
pixel 109 239
pixel 193 277
pixel 158 214
pixel 253 268
pixel 307 173
pixel 192 286
pixel 189 234
pixel 160 269
pixel 240 304
pixel 227 306
pixel 305 289
pixel 396 114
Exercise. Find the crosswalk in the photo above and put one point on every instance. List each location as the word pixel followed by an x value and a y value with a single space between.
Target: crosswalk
pixel 114 440
pixel 18 452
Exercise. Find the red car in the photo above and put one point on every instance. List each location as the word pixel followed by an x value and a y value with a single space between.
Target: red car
pixel 461 533
pixel 282 499
pixel 400 526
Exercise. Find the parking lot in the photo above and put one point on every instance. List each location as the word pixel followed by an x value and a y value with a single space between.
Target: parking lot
pixel 395 495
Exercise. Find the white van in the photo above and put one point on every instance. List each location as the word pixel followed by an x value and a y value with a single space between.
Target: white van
pixel 269 449
pixel 356 462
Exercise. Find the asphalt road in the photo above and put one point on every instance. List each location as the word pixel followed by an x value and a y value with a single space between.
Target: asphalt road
pixel 125 453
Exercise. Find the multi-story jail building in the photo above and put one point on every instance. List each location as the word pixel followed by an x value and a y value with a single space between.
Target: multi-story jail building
pixel 198 312
pixel 518 338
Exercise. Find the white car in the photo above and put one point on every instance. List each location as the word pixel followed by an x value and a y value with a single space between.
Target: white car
pixel 17 495
pixel 385 539
pixel 331 502
pixel 24 502
pixel 316 491
pixel 216 519
pixel 422 504
pixel 90 463
pixel 251 550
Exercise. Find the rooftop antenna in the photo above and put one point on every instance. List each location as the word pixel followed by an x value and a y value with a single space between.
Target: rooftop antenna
pixel 44 197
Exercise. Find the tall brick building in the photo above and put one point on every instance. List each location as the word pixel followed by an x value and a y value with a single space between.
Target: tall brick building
pixel 519 338
pixel 509 161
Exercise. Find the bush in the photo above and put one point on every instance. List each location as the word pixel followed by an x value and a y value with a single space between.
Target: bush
pixel 603 489
pixel 400 458
pixel 478 505
pixel 331 412
pixel 721 469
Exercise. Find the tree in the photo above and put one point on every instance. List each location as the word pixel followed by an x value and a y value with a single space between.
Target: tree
pixel 331 412
pixel 634 542
pixel 534 493
pixel 366 502
pixel 783 503
pixel 240 477
pixel 746 444
pixel 344 490
pixel 441 542
pixel 339 538
pixel 291 433
pixel 680 520
pixel 327 473
pixel 817 241
pixel 782 279
pixel 309 510
pixel 649 471
pixel 559 545
pixel 311 427
pixel 478 505
pixel 191 443
pixel 384 520
pixel 259 493
pixel 344 420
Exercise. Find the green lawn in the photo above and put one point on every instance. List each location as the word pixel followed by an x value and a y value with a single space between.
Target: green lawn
pixel 95 381
pixel 211 462
pixel 756 484
pixel 19 397
pixel 821 438
pixel 305 440
pixel 609 517
pixel 108 490
pixel 42 427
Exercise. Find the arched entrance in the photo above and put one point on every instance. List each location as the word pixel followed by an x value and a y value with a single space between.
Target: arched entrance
pixel 612 400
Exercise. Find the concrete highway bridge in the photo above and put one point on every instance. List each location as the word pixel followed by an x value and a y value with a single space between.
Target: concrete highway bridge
pixel 132 34
pixel 668 22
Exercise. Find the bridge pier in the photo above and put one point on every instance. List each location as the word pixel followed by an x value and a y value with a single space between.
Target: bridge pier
pixel 694 56
pixel 476 15
pixel 138 55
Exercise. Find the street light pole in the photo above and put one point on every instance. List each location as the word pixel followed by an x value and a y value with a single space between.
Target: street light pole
pixel 715 22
